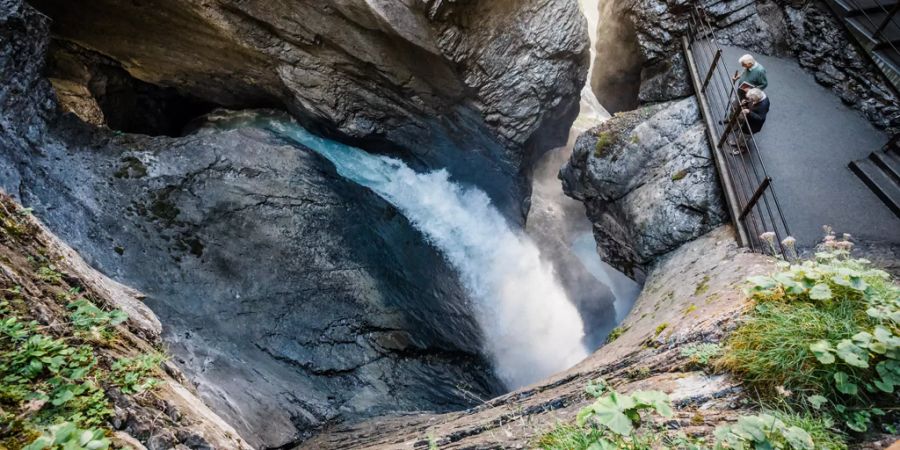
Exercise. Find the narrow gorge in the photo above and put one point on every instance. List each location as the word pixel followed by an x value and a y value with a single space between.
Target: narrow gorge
pixel 392 224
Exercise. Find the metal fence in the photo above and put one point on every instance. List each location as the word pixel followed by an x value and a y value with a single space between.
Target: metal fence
pixel 749 190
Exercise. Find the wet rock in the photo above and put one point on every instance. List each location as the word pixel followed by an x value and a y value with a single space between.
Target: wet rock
pixel 648 182
pixel 494 82
pixel 631 362
pixel 311 301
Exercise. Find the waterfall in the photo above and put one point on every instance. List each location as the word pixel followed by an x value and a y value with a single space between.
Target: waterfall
pixel 531 329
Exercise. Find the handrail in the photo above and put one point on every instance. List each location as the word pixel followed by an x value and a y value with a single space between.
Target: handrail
pixel 750 192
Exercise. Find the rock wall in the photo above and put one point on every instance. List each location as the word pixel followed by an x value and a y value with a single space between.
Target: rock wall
pixel 292 298
pixel 489 83
pixel 169 416
pixel 806 30
pixel 648 183
pixel 692 295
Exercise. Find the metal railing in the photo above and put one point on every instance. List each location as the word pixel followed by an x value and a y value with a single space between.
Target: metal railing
pixel 749 190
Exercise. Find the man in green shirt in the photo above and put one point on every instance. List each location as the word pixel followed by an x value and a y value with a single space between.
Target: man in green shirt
pixel 754 74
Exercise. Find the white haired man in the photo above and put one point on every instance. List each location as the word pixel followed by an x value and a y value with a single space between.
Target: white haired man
pixel 754 75
pixel 754 109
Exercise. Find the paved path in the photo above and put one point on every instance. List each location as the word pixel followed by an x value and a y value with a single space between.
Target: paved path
pixel 809 138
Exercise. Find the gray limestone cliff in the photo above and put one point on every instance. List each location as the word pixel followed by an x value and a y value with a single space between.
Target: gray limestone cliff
pixel 291 298
pixel 648 183
pixel 444 83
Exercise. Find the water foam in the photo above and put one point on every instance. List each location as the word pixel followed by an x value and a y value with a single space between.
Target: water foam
pixel 531 329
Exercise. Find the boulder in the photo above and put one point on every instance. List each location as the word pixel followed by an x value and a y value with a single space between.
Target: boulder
pixel 648 182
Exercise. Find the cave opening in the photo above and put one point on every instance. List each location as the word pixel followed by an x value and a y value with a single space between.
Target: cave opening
pixel 101 93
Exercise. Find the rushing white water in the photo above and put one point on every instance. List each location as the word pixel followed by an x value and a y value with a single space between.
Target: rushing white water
pixel 530 327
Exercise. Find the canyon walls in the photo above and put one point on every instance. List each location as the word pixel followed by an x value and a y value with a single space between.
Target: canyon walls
pixel 481 88
pixel 290 297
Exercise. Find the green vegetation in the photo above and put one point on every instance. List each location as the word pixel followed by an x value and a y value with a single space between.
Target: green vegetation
pixel 67 436
pixel 57 363
pixel 702 286
pixel 660 328
pixel 826 329
pixel 701 354
pixel 763 431
pixel 680 175
pixel 615 333
pixel 133 375
pixel 822 344
pixel 613 420
pixel 617 421
pixel 604 140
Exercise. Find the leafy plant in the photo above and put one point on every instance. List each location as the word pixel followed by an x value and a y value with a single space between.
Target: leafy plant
pixel 616 417
pixel 615 333
pixel 86 316
pixel 133 375
pixel 764 431
pixel 604 140
pixel 702 353
pixel 50 274
pixel 827 328
pixel 67 436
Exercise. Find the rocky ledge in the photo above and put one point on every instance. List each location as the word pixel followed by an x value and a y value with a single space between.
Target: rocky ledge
pixel 648 183
pixel 692 295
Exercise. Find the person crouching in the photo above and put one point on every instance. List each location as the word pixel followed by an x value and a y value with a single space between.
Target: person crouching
pixel 755 109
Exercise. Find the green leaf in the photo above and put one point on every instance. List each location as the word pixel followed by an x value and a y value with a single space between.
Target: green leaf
pixel 798 438
pixel 820 291
pixel 852 354
pixel 843 384
pixel 761 282
pixel 884 386
pixel 822 351
pixel 609 412
pixel 816 401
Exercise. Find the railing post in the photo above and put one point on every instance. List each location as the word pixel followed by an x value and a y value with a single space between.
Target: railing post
pixel 731 123
pixel 712 70
pixel 755 198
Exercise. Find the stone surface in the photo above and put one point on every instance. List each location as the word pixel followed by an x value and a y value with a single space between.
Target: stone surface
pixel 641 358
pixel 478 87
pixel 805 30
pixel 291 297
pixel 171 413
pixel 648 182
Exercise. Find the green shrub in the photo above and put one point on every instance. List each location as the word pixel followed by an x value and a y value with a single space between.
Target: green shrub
pixel 569 437
pixel 611 422
pixel 133 375
pixel 66 436
pixel 89 318
pixel 764 431
pixel 615 333
pixel 826 328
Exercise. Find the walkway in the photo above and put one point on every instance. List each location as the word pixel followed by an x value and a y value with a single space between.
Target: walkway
pixel 809 138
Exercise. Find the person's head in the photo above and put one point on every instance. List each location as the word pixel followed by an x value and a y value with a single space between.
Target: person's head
pixel 747 61
pixel 755 95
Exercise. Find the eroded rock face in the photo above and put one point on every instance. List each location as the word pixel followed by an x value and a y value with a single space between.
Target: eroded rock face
pixel 648 182
pixel 499 79
pixel 805 30
pixel 642 358
pixel 292 297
